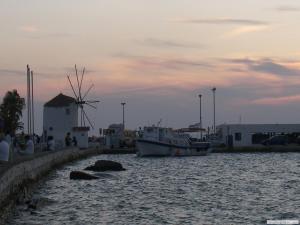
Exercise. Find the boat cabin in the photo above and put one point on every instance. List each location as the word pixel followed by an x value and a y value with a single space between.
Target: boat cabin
pixel 166 135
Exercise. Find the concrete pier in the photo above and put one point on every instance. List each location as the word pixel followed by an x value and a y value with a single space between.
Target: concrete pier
pixel 17 177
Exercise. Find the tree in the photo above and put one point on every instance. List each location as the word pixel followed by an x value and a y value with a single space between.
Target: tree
pixel 11 111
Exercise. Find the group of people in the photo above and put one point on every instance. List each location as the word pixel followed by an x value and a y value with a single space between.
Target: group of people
pixel 9 145
pixel 24 144
pixel 70 141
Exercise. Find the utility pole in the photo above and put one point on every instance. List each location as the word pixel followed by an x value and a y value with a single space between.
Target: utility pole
pixel 214 99
pixel 123 106
pixel 200 96
pixel 28 102
pixel 32 105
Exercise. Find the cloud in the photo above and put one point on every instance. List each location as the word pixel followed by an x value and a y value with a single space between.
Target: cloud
pixel 262 76
pixel 277 100
pixel 245 25
pixel 267 66
pixel 49 35
pixel 274 68
pixel 49 74
pixel 35 33
pixel 163 63
pixel 222 21
pixel 245 30
pixel 166 43
pixel 157 90
pixel 13 72
pixel 287 9
pixel 29 28
pixel 171 73
pixel 190 63
pixel 172 62
pixel 71 70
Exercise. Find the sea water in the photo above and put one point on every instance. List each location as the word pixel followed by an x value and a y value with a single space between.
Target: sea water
pixel 213 189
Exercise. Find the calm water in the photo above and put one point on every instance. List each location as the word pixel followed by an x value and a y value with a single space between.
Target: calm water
pixel 214 189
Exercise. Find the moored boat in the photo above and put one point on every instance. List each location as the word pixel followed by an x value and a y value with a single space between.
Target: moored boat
pixel 159 141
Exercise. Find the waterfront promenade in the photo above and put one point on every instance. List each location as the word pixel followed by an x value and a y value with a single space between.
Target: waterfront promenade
pixel 18 176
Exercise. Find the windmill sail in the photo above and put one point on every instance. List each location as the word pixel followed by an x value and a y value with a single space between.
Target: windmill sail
pixel 81 101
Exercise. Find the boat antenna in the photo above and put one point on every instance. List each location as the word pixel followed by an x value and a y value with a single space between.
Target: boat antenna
pixel 159 122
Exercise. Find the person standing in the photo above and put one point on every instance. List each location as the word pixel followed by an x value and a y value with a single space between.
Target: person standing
pixel 4 149
pixel 51 144
pixel 68 140
pixel 8 139
pixel 74 141
pixel 21 140
pixel 29 146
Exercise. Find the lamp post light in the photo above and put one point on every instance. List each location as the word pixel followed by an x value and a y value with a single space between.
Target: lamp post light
pixel 214 99
pixel 123 105
pixel 200 96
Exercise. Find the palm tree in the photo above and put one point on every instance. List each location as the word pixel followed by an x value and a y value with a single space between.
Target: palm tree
pixel 11 111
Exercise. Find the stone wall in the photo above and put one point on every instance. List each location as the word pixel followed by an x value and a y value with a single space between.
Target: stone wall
pixel 16 179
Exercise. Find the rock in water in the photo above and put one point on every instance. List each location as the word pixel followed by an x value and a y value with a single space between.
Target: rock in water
pixel 78 175
pixel 105 165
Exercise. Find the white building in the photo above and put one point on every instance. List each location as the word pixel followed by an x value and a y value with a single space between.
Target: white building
pixel 82 136
pixel 60 116
pixel 242 135
pixel 114 135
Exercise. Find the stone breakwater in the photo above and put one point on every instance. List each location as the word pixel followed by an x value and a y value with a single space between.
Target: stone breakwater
pixel 18 178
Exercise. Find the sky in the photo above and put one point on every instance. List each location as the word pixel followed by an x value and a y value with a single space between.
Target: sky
pixel 158 56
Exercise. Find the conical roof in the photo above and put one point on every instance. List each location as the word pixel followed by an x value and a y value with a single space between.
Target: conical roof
pixel 60 100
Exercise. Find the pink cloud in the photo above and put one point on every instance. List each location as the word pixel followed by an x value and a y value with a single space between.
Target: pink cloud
pixel 29 28
pixel 245 30
pixel 154 73
pixel 277 100
pixel 164 75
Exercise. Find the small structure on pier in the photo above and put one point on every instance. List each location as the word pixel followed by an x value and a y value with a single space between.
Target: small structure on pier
pixel 82 136
pixel 117 137
pixel 113 135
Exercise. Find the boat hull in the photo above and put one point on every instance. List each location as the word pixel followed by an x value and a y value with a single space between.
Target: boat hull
pixel 152 148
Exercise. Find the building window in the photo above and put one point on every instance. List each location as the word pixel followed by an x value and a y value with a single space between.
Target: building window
pixel 67 111
pixel 238 136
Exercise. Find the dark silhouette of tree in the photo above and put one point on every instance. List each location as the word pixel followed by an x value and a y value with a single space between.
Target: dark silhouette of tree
pixel 11 111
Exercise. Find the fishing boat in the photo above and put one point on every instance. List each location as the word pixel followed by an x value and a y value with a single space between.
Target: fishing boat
pixel 159 141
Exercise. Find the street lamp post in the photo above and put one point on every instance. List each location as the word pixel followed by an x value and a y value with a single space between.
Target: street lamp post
pixel 123 105
pixel 200 96
pixel 214 96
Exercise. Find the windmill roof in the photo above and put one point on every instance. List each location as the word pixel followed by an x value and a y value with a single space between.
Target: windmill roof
pixel 60 100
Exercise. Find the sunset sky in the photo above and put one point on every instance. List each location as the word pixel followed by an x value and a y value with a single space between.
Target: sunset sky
pixel 158 56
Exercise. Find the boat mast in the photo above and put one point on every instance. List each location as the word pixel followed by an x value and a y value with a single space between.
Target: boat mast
pixel 214 101
pixel 200 96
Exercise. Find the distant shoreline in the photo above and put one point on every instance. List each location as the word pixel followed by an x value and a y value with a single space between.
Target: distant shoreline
pixel 260 149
